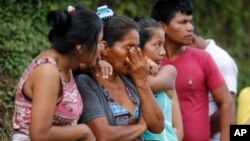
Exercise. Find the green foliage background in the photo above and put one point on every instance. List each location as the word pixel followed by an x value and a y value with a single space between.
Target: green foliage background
pixel 23 34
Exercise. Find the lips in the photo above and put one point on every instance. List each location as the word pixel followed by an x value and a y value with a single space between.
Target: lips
pixel 189 37
pixel 158 61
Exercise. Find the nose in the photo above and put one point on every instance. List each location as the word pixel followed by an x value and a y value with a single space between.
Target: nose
pixel 190 27
pixel 162 51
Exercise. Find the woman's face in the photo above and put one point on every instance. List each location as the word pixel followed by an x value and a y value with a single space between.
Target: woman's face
pixel 90 59
pixel 116 55
pixel 154 48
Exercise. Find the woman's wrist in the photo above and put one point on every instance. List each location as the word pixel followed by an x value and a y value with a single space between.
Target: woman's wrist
pixel 85 131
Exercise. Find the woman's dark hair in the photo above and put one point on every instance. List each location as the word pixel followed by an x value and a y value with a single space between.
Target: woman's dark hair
pixel 145 29
pixel 165 10
pixel 116 27
pixel 81 26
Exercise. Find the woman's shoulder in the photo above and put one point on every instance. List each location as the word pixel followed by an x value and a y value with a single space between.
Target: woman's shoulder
pixel 168 70
pixel 83 76
pixel 84 79
pixel 244 92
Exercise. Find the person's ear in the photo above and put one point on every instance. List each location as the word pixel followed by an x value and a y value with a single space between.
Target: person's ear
pixel 104 49
pixel 163 26
pixel 79 48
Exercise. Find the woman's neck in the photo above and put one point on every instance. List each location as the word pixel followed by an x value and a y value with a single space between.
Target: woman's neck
pixel 64 61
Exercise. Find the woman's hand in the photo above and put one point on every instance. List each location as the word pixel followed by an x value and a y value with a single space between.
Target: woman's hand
pixel 137 64
pixel 104 69
pixel 152 67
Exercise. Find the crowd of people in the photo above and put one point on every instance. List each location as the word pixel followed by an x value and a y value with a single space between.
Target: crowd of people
pixel 115 78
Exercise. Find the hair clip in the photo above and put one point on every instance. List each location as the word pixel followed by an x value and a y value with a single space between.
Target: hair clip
pixel 71 9
pixel 103 12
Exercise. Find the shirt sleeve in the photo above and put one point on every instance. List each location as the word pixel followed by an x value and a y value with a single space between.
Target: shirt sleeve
pixel 91 105
pixel 230 73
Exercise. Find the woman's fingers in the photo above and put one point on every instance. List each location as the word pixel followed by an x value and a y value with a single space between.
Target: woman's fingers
pixel 132 55
pixel 140 55
pixel 106 69
pixel 152 67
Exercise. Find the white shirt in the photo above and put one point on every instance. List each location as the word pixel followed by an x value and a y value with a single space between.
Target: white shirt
pixel 228 69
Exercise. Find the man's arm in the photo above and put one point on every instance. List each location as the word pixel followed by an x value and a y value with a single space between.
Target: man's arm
pixel 215 118
pixel 226 110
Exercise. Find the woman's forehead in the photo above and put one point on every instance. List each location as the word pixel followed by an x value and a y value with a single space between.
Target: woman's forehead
pixel 131 35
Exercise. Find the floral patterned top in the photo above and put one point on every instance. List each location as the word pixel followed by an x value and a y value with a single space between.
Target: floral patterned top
pixel 67 111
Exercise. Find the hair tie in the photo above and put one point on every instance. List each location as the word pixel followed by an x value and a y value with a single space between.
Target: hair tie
pixel 71 9
pixel 103 12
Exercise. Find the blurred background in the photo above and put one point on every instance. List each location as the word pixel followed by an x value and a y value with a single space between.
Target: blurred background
pixel 23 34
